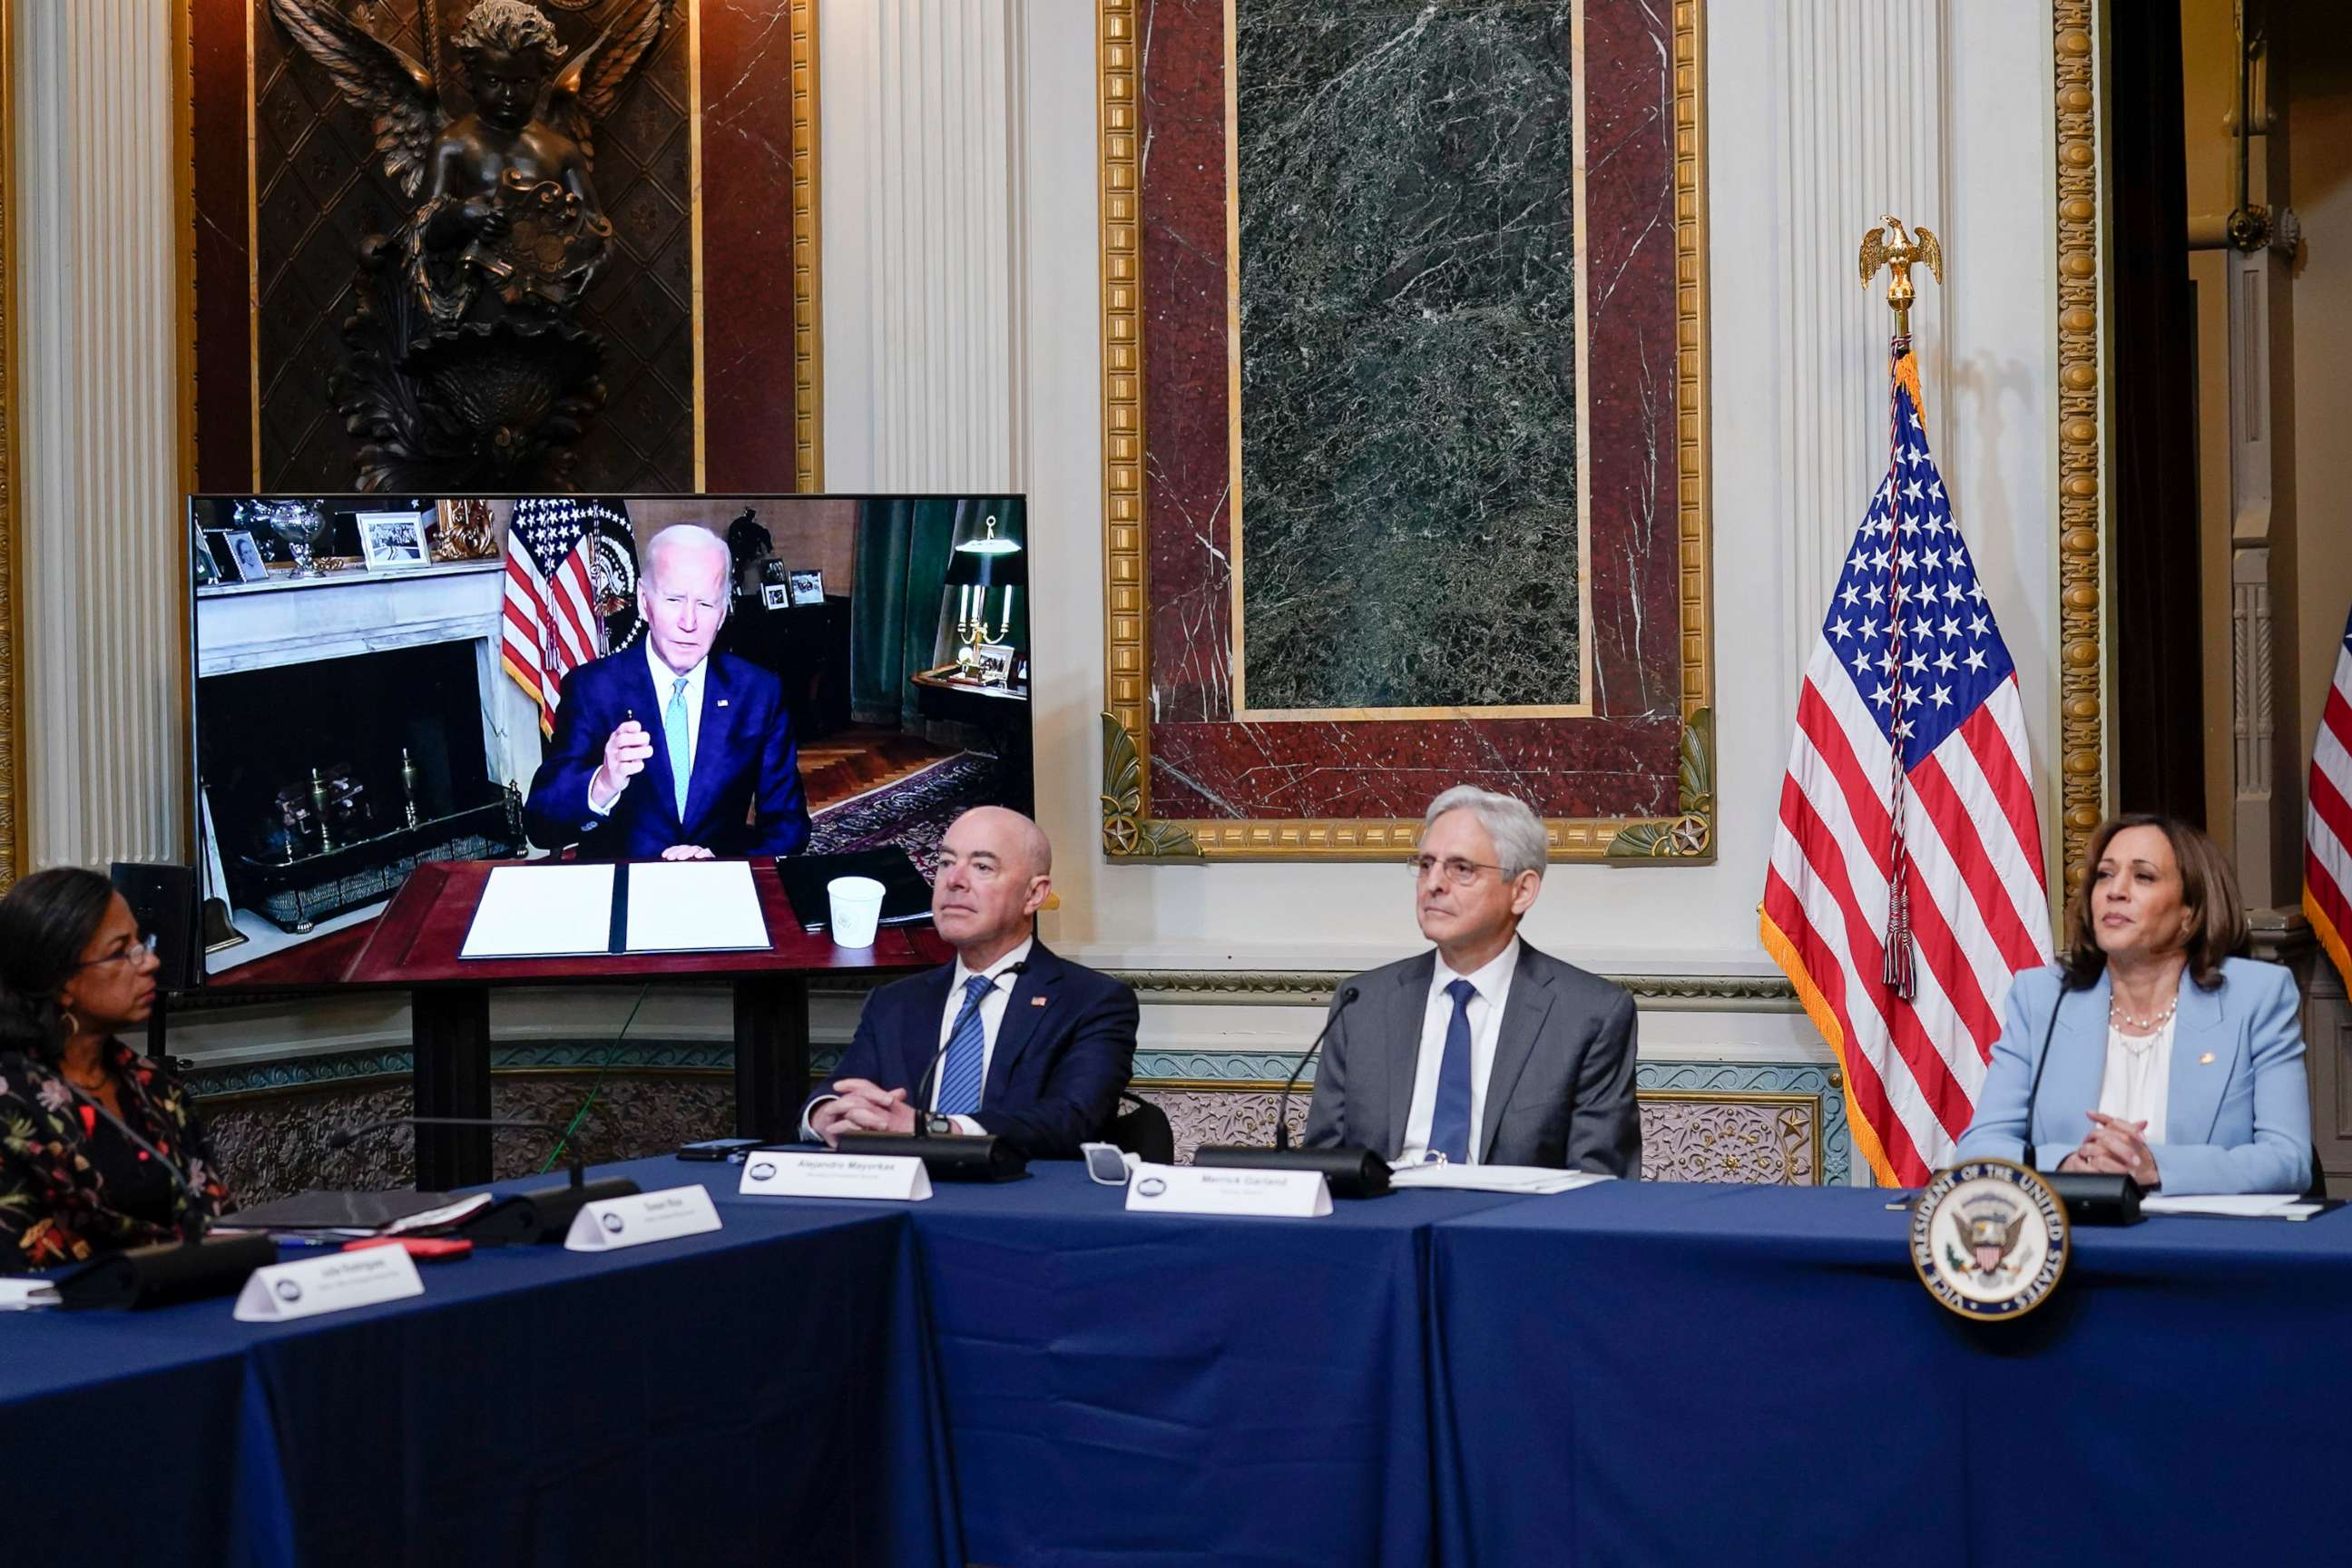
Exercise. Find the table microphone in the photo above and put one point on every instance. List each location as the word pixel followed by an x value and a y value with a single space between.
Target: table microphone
pixel 2091 1197
pixel 1352 1170
pixel 543 1214
pixel 964 1157
pixel 1348 995
pixel 2033 1090
pixel 922 1095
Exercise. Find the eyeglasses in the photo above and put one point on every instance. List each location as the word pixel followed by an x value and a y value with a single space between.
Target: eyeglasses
pixel 1459 873
pixel 145 944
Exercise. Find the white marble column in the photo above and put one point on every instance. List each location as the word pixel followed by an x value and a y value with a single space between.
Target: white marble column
pixel 102 621
pixel 924 280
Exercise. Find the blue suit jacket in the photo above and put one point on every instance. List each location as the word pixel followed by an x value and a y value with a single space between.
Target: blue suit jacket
pixel 1064 1050
pixel 2237 1107
pixel 745 758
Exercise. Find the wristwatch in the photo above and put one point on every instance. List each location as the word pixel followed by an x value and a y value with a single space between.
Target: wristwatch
pixel 939 1126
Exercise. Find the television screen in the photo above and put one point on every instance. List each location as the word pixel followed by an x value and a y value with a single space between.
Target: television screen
pixel 382 681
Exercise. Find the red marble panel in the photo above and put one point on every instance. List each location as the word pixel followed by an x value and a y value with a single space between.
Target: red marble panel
pixel 223 319
pixel 1622 761
pixel 747 247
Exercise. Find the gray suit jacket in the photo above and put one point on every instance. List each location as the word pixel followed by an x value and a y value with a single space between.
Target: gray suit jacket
pixel 1559 1093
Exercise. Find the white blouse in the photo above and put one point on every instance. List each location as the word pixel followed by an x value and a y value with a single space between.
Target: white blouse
pixel 2138 1078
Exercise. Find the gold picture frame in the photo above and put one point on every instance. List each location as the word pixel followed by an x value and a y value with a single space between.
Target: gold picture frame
pixel 1131 830
pixel 12 543
pixel 2084 630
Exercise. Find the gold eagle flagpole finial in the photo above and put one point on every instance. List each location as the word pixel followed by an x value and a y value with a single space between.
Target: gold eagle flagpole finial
pixel 1898 255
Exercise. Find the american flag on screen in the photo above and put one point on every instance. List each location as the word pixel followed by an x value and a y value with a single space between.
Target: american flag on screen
pixel 552 621
pixel 1906 885
pixel 2328 832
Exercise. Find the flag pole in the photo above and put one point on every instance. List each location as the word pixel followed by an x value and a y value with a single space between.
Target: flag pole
pixel 1897 256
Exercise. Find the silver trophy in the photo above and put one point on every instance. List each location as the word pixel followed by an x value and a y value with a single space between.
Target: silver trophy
pixel 299 522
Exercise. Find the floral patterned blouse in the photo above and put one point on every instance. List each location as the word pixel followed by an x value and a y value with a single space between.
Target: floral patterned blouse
pixel 54 1205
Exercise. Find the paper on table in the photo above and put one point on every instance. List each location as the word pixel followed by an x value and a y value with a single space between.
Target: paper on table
pixel 443 1218
pixel 2236 1205
pixel 694 906
pixel 17 1295
pixel 542 911
pixel 1494 1178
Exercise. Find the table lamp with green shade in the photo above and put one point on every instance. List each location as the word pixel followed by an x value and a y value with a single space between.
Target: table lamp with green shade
pixel 985 562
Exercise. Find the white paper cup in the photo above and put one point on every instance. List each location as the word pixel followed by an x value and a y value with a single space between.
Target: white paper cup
pixel 856 908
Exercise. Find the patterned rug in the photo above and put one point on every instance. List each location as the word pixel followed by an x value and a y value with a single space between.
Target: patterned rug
pixel 912 814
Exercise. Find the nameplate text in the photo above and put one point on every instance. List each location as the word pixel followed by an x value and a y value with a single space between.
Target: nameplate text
pixel 333 1283
pixel 781 1174
pixel 632 1221
pixel 1196 1189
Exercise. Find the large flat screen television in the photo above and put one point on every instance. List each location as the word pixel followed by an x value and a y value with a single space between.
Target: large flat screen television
pixel 382 681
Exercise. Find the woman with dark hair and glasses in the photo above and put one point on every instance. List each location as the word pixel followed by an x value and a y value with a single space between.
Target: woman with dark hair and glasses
pixel 2150 1048
pixel 99 1147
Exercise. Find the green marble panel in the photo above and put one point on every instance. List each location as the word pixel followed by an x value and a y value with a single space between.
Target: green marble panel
pixel 1408 330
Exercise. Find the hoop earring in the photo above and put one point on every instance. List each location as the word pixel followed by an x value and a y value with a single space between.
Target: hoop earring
pixel 67 1022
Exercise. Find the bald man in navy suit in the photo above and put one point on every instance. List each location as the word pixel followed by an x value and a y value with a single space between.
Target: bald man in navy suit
pixel 1029 1046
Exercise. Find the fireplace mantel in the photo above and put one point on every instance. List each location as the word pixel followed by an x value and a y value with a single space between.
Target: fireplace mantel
pixel 287 620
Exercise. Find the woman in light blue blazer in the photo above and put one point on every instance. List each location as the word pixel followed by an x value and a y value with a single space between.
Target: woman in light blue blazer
pixel 2148 1049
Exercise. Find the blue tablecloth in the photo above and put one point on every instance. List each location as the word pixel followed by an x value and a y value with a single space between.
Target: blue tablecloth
pixel 758 1395
pixel 1650 1375
pixel 1025 1374
pixel 1157 1389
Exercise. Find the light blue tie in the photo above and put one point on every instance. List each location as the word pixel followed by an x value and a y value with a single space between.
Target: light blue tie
pixel 959 1078
pixel 1449 1121
pixel 681 746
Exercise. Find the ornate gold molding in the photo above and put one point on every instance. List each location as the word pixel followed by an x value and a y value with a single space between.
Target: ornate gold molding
pixel 2082 620
pixel 1129 830
pixel 12 552
pixel 1315 988
pixel 808 320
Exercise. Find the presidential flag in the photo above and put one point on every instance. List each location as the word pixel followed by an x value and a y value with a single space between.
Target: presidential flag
pixel 2327 830
pixel 551 620
pixel 1906 885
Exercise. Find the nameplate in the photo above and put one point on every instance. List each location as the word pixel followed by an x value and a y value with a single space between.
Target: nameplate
pixel 1198 1189
pixel 281 1292
pixel 609 1224
pixel 775 1173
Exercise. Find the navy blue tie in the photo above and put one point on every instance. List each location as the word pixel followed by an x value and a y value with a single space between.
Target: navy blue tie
pixel 1449 1120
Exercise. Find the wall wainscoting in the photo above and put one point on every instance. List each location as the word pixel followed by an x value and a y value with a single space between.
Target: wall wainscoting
pixel 1701 1121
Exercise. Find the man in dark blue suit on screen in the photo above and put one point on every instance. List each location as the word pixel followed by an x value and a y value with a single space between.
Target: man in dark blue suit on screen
pixel 1030 1047
pixel 709 733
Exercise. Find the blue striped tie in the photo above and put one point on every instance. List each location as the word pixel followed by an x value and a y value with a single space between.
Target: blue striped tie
pixel 1449 1121
pixel 681 743
pixel 960 1078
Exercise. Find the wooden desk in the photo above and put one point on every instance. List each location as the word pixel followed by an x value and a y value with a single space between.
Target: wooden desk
pixel 414 945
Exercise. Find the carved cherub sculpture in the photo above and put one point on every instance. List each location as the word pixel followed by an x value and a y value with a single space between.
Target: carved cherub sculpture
pixel 466 363
pixel 503 192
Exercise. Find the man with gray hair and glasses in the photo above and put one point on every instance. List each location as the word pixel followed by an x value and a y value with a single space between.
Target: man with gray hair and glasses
pixel 1485 1051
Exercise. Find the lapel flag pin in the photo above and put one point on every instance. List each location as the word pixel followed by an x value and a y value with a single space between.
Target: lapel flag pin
pixel 722 702
pixel 2206 1060
pixel 1040 1002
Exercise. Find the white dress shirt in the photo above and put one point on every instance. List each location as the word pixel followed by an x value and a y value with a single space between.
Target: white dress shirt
pixel 2137 1085
pixel 1493 984
pixel 991 1019
pixel 664 680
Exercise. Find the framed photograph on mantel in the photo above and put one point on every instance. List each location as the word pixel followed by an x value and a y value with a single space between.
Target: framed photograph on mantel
pixel 1438 513
pixel 393 540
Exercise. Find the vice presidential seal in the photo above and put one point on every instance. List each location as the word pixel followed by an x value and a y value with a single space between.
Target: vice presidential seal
pixel 1990 1239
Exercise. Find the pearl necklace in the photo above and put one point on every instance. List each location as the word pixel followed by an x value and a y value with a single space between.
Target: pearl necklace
pixel 2116 1014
